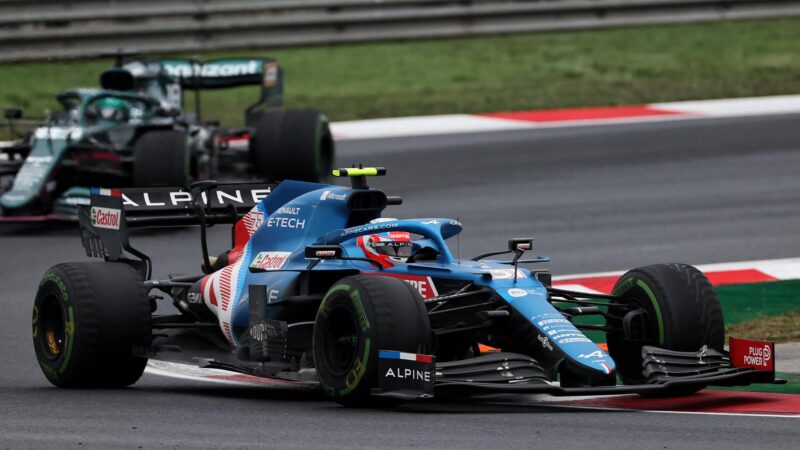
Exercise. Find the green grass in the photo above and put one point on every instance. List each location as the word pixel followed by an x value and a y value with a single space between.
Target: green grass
pixel 767 311
pixel 791 387
pixel 748 302
pixel 531 71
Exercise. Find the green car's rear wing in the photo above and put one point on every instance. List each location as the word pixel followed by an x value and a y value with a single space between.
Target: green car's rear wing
pixel 229 73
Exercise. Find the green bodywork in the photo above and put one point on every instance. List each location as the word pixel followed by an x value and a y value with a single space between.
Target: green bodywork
pixel 136 96
pixel 77 124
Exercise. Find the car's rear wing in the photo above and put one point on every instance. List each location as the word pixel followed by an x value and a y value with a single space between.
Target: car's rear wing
pixel 228 73
pixel 176 206
pixel 105 221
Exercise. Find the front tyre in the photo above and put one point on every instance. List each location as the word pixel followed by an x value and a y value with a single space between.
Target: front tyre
pixel 87 320
pixel 359 316
pixel 682 313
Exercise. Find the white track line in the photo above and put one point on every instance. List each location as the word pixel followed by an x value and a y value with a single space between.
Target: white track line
pixel 782 269
pixel 468 123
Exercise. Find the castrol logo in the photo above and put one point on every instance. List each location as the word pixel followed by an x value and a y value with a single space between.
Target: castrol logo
pixel 108 218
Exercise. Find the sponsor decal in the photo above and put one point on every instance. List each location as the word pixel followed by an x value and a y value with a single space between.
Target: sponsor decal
pixel 561 334
pixel 424 285
pixel 270 260
pixel 292 211
pixel 552 321
pixel 430 222
pixel 545 342
pixel 369 228
pixel 185 69
pixel 194 298
pixel 57 133
pixel 421 375
pixel 270 74
pixel 406 372
pixel 286 222
pixel 404 236
pixel 505 274
pixel 573 340
pixel 325 253
pixel 328 195
pixel 594 354
pixel 108 218
pixel 524 246
pixel 256 220
pixel 516 292
pixel 757 355
pixel 180 198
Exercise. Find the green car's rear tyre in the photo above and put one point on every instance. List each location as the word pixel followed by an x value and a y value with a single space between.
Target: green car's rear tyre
pixel 162 158
pixel 682 314
pixel 87 320
pixel 292 145
pixel 359 316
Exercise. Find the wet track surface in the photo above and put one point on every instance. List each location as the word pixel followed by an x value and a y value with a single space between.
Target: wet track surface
pixel 595 198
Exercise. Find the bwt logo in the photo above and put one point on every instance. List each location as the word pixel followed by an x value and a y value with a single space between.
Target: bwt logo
pixel 108 218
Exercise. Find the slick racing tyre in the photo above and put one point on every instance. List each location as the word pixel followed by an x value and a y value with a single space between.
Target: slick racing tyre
pixel 291 145
pixel 162 158
pixel 682 313
pixel 87 320
pixel 359 316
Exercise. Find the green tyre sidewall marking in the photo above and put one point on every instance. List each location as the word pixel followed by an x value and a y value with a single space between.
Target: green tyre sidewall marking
pixel 363 359
pixel 53 282
pixel 656 307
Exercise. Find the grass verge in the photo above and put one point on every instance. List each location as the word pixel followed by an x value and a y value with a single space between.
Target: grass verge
pixel 529 71
pixel 791 387
pixel 763 311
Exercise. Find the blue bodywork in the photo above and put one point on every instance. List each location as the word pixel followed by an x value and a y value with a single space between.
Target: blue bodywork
pixel 298 214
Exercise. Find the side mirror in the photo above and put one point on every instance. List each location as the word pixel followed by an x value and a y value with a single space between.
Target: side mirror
pixel 12 113
pixel 522 244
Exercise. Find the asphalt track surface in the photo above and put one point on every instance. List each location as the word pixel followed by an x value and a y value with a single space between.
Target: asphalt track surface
pixel 595 198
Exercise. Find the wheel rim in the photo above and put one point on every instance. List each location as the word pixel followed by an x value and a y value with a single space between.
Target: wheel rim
pixel 341 338
pixel 52 333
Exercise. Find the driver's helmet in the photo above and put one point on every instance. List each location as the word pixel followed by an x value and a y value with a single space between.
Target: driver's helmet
pixel 389 248
pixel 112 109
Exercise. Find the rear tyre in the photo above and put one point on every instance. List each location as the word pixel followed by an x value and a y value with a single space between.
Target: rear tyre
pixel 87 320
pixel 292 145
pixel 682 314
pixel 162 158
pixel 359 316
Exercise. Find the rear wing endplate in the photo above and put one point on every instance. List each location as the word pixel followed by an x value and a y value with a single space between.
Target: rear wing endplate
pixel 105 221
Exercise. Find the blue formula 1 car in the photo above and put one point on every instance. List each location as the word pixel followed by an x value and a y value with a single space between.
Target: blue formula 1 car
pixel 319 287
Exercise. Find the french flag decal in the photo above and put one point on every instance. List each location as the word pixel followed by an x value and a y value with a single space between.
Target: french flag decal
pixel 387 354
pixel 106 192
